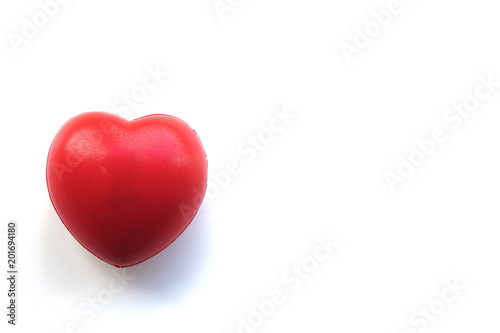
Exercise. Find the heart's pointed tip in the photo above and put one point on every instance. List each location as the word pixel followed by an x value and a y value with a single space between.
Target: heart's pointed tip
pixel 121 265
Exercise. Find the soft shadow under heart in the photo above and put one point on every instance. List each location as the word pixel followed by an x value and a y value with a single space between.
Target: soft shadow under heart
pixel 173 272
pixel 176 269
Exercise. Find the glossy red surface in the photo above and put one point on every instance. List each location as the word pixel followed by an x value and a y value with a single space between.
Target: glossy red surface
pixel 126 189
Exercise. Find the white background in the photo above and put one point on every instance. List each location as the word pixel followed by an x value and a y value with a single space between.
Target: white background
pixel 323 176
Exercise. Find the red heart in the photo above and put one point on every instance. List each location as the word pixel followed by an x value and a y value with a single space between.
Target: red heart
pixel 126 189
